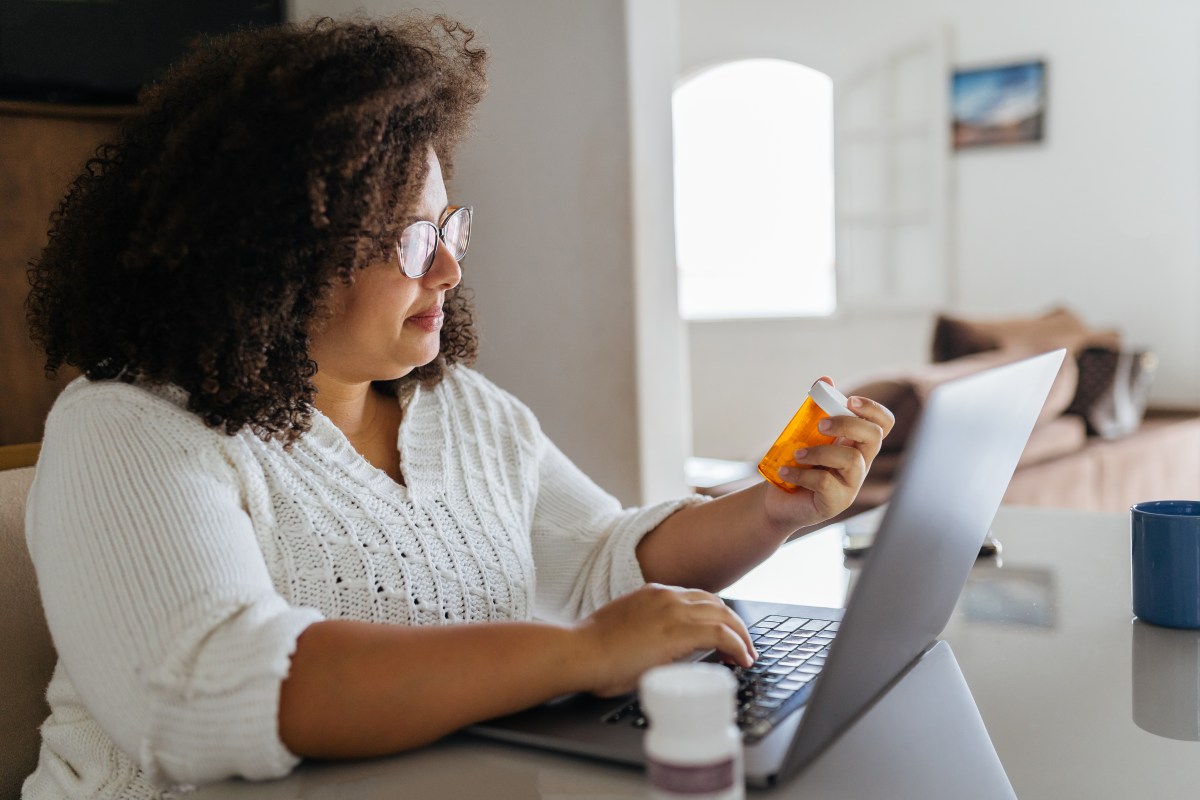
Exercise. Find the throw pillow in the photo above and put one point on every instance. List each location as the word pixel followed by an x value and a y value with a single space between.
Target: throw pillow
pixel 1114 389
pixel 955 337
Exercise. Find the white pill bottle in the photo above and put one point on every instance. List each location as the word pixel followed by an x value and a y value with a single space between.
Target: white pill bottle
pixel 693 745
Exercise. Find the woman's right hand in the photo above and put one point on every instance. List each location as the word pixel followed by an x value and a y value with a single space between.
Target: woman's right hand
pixel 657 625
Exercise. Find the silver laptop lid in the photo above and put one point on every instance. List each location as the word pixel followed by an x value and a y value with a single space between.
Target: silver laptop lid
pixel 957 466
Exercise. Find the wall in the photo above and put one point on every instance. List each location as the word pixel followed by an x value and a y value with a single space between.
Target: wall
pixel 553 254
pixel 1101 216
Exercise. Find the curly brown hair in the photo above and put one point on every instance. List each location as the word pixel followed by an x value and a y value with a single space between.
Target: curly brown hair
pixel 264 168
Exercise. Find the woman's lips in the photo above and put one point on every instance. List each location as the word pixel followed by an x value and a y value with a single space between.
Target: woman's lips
pixel 429 321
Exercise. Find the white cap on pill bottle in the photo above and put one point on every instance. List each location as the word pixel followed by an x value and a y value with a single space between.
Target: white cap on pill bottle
pixel 831 401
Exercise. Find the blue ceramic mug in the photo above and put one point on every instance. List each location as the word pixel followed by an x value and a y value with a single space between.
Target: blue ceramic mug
pixel 1166 562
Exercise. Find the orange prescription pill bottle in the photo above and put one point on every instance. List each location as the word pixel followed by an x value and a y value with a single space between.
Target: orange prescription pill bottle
pixel 823 401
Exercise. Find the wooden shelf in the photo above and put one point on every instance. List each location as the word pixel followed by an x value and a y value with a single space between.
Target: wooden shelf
pixel 27 108
pixel 43 146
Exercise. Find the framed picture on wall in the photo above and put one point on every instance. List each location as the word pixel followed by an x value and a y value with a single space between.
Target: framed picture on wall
pixel 998 105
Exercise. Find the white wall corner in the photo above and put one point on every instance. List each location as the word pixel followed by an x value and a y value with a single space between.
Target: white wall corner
pixel 663 393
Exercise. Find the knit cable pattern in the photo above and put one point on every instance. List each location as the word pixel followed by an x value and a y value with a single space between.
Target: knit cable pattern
pixel 178 565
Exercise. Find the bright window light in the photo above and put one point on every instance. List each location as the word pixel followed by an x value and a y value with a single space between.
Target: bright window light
pixel 754 191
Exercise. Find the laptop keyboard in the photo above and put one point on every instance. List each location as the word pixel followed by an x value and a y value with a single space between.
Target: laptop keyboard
pixel 791 653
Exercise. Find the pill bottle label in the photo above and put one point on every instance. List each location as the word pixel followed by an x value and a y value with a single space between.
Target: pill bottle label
pixel 717 781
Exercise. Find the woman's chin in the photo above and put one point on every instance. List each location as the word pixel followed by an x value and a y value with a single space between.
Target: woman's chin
pixel 414 361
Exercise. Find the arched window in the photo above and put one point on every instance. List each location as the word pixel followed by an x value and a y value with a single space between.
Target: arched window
pixel 754 226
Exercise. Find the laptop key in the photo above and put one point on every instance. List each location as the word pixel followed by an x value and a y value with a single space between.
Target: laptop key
pixel 780 681
pixel 760 728
pixel 630 710
pixel 791 624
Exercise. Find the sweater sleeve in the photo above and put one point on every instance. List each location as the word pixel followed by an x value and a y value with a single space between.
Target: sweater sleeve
pixel 155 589
pixel 583 540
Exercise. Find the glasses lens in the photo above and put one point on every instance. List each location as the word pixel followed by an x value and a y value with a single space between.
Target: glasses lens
pixel 416 248
pixel 457 232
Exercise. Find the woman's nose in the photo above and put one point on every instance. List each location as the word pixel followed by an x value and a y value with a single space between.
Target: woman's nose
pixel 445 271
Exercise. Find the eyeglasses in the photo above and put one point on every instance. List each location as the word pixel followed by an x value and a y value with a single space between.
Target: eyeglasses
pixel 418 242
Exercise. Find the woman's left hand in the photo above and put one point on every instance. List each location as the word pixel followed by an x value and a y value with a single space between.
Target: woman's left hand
pixel 710 545
pixel 840 470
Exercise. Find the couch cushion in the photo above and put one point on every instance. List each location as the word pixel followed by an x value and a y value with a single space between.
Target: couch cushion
pixel 27 658
pixel 1054 438
pixel 955 337
pixel 904 393
pixel 1050 439
pixel 1159 462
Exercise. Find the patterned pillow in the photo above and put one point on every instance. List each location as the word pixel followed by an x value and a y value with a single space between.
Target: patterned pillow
pixel 1114 389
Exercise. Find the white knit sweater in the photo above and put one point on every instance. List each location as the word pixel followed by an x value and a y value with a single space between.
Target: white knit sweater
pixel 178 565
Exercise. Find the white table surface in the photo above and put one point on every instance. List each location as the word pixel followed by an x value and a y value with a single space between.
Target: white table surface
pixel 1079 699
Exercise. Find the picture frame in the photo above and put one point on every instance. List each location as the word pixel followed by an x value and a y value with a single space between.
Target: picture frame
pixel 998 105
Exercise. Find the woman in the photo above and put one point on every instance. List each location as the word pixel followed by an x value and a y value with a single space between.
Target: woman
pixel 280 516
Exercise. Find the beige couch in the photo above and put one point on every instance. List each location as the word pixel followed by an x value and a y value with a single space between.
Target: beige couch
pixel 1160 461
pixel 27 657
pixel 1064 465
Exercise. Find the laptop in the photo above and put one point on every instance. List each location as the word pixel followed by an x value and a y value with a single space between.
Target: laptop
pixel 957 466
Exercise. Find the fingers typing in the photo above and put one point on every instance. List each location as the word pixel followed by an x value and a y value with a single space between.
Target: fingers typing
pixel 656 625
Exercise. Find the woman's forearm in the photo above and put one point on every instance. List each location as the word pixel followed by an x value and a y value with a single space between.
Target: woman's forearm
pixel 358 689
pixel 710 545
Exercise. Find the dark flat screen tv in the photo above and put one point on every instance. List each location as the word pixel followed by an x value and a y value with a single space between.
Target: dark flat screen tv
pixel 102 51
